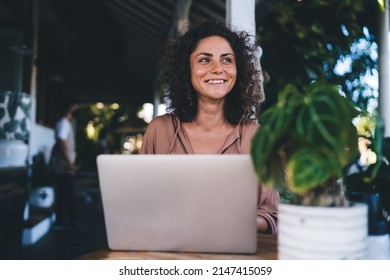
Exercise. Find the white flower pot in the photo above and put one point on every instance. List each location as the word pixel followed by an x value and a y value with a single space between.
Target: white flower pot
pixel 330 233
pixel 13 153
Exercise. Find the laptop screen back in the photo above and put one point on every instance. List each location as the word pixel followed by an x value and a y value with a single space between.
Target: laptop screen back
pixel 193 203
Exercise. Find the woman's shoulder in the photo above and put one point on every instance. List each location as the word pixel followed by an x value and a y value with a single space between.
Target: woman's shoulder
pixel 249 126
pixel 250 123
pixel 162 121
pixel 247 131
pixel 158 135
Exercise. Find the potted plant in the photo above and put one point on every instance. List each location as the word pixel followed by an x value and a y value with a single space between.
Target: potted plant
pixel 14 128
pixel 305 141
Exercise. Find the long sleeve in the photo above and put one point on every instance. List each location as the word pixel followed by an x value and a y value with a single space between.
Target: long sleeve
pixel 268 207
pixel 268 197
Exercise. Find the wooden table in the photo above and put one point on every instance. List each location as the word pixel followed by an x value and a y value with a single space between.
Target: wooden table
pixel 266 250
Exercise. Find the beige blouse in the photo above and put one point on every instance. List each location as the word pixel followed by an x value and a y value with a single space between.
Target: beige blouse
pixel 165 135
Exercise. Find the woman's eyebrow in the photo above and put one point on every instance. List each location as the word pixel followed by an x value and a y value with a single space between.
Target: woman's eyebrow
pixel 204 53
pixel 210 54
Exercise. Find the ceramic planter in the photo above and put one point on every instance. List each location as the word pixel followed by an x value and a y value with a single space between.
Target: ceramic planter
pixel 13 153
pixel 330 233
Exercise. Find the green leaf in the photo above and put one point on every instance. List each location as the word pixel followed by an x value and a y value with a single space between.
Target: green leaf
pixel 26 108
pixel 326 120
pixel 308 169
pixel 13 103
pixel 24 124
pixel 350 140
pixel 378 145
pixel 2 113
pixel 11 126
pixel 318 122
pixel 275 122
pixel 19 136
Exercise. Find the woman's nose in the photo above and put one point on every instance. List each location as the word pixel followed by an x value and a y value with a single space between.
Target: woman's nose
pixel 217 69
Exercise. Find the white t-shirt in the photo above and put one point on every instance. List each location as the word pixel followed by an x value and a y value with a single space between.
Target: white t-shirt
pixel 64 131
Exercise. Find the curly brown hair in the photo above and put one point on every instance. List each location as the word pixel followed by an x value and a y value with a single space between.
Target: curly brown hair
pixel 242 103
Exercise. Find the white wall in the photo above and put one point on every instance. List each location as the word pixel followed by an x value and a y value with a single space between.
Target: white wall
pixel 41 140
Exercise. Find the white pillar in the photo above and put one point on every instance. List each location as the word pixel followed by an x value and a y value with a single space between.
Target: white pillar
pixel 33 77
pixel 34 70
pixel 240 14
pixel 384 75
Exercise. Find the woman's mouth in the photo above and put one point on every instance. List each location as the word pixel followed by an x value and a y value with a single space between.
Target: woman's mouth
pixel 213 82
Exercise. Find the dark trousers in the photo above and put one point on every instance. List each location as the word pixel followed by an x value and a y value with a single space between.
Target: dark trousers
pixel 65 203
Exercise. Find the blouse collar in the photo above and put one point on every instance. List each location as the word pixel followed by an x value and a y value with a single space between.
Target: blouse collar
pixel 180 135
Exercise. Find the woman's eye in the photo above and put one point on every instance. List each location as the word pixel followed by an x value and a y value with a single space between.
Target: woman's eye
pixel 228 60
pixel 204 59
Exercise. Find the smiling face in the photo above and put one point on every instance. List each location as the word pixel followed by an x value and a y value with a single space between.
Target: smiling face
pixel 213 68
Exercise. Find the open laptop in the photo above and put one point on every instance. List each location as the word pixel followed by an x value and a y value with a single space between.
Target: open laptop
pixel 191 203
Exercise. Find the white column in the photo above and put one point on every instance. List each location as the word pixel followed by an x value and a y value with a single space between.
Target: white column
pixel 240 14
pixel 384 75
pixel 34 70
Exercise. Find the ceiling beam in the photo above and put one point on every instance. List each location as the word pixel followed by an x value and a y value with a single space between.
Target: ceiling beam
pixel 204 10
pixel 146 11
pixel 161 7
pixel 129 25
pixel 134 12
pixel 145 30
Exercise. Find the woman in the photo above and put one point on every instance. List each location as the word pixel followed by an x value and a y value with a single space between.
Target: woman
pixel 213 92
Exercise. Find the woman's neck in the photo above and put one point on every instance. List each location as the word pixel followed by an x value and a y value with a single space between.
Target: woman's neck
pixel 210 117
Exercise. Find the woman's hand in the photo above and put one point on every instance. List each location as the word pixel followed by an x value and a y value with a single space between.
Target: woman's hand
pixel 262 225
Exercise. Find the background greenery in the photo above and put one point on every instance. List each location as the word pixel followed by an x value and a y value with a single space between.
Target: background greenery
pixel 105 120
pixel 303 41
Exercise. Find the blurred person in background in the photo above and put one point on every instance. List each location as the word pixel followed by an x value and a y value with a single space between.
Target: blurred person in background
pixel 62 161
